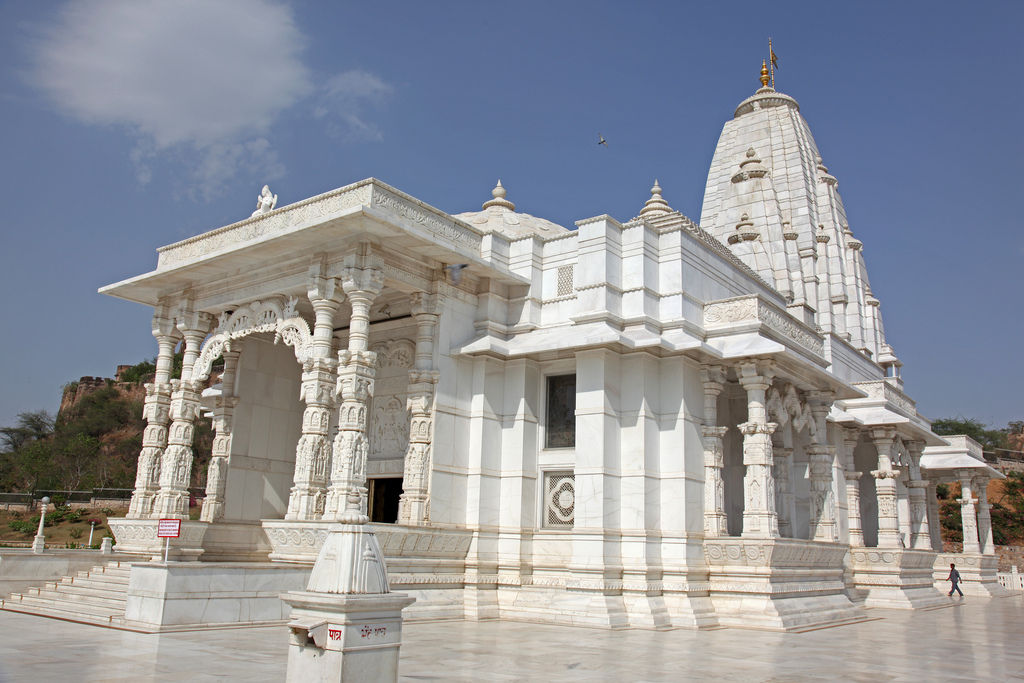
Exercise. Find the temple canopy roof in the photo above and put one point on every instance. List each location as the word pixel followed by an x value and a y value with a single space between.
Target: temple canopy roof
pixel 499 215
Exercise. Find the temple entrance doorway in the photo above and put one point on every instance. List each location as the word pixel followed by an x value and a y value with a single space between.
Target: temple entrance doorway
pixel 383 499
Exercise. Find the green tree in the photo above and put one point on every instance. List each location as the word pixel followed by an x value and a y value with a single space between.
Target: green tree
pixel 990 439
pixel 31 426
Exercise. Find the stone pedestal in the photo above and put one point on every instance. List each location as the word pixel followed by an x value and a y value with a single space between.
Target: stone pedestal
pixel 347 625
pixel 779 584
pixel 138 536
pixel 894 577
pixel 978 574
pixel 346 638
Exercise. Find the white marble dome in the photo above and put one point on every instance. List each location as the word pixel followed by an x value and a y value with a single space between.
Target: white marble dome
pixel 499 215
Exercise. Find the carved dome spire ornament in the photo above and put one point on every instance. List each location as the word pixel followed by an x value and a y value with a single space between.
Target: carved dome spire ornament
pixel 745 231
pixel 764 74
pixel 655 206
pixel 750 167
pixel 499 199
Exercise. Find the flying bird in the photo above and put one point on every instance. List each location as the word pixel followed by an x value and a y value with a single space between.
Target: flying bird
pixel 602 140
pixel 455 272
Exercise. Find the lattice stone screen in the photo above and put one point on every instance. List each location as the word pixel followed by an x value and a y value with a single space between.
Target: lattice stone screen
pixel 564 281
pixel 559 499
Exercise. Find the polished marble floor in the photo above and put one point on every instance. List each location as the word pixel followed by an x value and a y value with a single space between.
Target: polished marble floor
pixel 977 639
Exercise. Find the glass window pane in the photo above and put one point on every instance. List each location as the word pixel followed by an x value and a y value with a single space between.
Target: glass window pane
pixel 561 422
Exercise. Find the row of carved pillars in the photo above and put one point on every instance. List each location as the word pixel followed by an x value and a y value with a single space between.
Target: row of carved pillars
pixel 171 407
pixel 766 483
pixel 344 383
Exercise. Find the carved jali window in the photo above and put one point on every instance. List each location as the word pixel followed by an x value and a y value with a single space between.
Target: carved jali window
pixel 561 412
pixel 559 499
pixel 564 281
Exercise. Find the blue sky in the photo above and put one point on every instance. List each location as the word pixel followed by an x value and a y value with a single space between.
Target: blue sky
pixel 128 125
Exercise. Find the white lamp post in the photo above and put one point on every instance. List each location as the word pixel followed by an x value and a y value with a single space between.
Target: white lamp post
pixel 39 543
pixel 91 529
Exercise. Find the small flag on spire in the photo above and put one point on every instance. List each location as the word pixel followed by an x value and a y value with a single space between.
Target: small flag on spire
pixel 775 60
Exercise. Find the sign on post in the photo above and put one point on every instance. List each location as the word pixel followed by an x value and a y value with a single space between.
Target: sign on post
pixel 168 528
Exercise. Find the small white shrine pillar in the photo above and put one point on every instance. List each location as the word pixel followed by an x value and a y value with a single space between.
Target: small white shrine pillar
pixel 223 412
pixel 176 465
pixel 356 370
pixel 422 381
pixel 347 625
pixel 968 512
pixel 760 519
pixel 851 435
pixel 715 522
pixel 885 488
pixel 984 517
pixel 932 500
pixel 821 457
pixel 319 379
pixel 157 413
pixel 917 489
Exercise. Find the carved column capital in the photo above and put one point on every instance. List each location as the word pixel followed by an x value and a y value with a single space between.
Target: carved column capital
pixel 756 373
pixel 425 304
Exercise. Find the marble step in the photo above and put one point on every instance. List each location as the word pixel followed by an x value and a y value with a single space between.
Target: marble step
pixel 34 604
pixel 98 596
pixel 97 590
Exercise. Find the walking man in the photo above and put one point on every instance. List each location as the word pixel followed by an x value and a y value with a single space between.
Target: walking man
pixel 954 578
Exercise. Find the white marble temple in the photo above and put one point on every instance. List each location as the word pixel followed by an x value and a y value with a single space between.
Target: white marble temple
pixel 628 424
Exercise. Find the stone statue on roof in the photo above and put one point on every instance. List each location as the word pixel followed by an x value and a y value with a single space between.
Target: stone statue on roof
pixel 265 202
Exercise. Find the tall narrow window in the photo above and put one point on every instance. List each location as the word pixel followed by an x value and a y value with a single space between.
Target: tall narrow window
pixel 561 413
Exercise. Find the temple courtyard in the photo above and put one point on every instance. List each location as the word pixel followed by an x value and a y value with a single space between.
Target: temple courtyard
pixel 976 639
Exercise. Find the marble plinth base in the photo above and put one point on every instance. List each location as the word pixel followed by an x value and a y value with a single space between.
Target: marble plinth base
pixel 204 594
pixel 779 584
pixel 896 578
pixel 228 541
pixel 138 537
pixel 344 638
pixel 300 541
pixel 979 574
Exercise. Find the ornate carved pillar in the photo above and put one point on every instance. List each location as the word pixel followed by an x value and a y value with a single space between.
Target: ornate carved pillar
pixel 713 377
pixel 760 519
pixel 968 512
pixel 851 435
pixel 176 464
pixel 783 460
pixel 984 517
pixel 157 413
pixel 414 503
pixel 820 463
pixel 223 412
pixel 920 531
pixel 356 369
pixel 319 379
pixel 885 488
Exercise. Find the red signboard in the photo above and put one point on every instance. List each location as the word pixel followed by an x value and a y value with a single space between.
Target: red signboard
pixel 168 528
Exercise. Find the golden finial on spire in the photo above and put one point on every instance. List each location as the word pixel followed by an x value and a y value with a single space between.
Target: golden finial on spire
pixel 764 74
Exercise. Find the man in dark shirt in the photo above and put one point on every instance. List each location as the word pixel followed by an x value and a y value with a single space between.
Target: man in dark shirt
pixel 954 578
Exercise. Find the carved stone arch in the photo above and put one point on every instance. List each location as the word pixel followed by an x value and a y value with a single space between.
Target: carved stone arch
pixel 275 314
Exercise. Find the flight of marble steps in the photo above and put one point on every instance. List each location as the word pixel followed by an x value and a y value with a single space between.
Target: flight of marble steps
pixel 97 596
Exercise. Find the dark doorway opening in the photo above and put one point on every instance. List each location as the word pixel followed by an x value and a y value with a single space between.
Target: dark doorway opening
pixel 383 502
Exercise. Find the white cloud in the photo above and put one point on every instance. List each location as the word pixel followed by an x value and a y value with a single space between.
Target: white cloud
pixel 196 79
pixel 343 99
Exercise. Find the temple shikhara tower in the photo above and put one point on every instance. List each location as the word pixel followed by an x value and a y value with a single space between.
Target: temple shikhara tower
pixel 655 423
